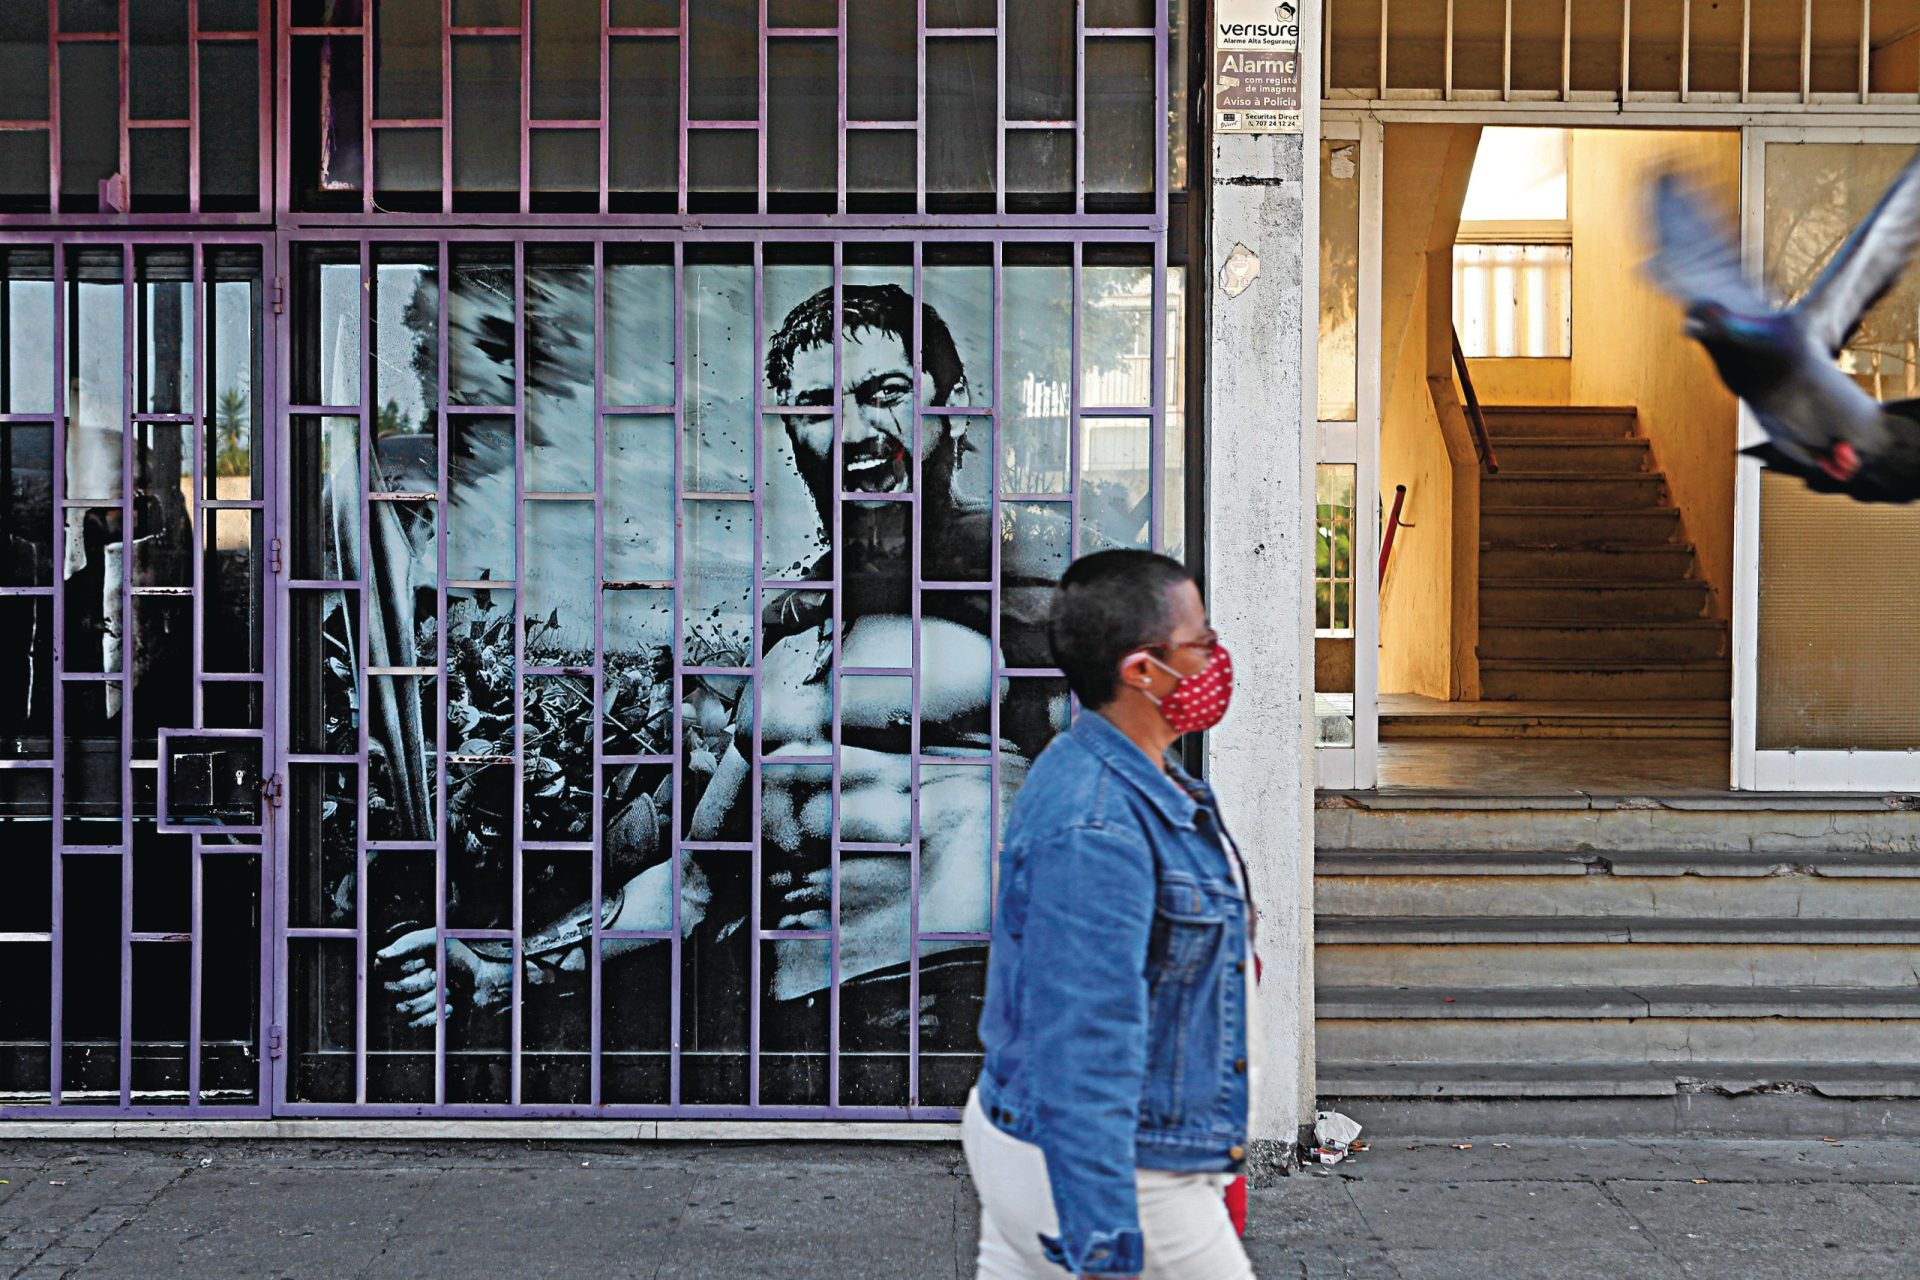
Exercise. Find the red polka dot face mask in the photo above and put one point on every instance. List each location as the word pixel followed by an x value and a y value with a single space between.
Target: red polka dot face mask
pixel 1198 701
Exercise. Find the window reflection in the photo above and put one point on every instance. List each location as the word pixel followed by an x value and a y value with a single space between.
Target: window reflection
pixel 1333 625
pixel 164 325
pixel 236 390
pixel 1036 354
pixel 560 321
pixel 26 363
pixel 918 121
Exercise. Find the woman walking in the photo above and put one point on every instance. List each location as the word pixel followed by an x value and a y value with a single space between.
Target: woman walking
pixel 1112 1107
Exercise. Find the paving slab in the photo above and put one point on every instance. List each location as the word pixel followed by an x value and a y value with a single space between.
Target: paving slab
pixel 1406 1209
pixel 912 1215
pixel 1481 1218
pixel 539 1222
pixel 245 1220
pixel 1703 1224
pixel 1535 1262
pixel 1476 1158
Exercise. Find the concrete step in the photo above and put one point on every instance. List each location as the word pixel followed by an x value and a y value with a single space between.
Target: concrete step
pixel 1626 964
pixel 1483 725
pixel 1660 562
pixel 1601 897
pixel 1471 1080
pixel 1430 1004
pixel 1685 640
pixel 1555 1034
pixel 1536 930
pixel 1535 679
pixel 1592 422
pixel 1738 864
pixel 1561 526
pixel 1621 491
pixel 1666 720
pixel 1572 453
pixel 1543 599
pixel 1793 826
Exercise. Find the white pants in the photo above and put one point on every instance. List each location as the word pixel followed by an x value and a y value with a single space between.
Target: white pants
pixel 1182 1215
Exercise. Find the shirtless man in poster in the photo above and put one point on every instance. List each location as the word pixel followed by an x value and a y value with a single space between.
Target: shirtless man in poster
pixel 876 396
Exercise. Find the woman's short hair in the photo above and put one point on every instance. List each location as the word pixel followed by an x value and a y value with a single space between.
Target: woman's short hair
pixel 1107 605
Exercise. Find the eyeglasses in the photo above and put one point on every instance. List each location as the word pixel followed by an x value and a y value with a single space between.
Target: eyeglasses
pixel 1205 644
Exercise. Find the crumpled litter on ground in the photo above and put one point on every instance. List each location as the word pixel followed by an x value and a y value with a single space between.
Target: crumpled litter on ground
pixel 1333 1136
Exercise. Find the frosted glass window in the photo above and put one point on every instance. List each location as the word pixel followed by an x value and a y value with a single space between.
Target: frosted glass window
pixel 1836 644
pixel 1339 279
pixel 1513 299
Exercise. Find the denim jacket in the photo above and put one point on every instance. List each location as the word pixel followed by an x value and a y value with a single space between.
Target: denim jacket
pixel 1115 1023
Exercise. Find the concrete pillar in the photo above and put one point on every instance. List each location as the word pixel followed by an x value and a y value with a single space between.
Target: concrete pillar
pixel 1260 457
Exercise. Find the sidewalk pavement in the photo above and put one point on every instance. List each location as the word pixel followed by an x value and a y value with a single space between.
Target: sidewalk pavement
pixel 1505 1210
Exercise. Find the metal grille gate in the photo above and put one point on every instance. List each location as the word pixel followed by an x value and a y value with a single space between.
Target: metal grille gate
pixel 133 735
pixel 656 676
pixel 578 666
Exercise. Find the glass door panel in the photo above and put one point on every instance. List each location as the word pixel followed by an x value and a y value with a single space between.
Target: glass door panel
pixel 1830 702
pixel 1346 591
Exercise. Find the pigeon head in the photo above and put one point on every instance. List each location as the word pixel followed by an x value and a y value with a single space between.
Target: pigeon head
pixel 1747 350
pixel 1711 323
pixel 1706 321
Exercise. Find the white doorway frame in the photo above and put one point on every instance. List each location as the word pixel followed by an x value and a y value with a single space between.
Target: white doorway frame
pixel 1754 769
pixel 1357 444
pixel 1759 124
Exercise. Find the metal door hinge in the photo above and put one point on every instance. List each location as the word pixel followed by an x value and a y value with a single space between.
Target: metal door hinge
pixel 276 1039
pixel 272 791
pixel 273 555
pixel 279 295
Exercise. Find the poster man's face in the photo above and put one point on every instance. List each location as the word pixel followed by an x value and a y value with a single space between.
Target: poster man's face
pixel 876 398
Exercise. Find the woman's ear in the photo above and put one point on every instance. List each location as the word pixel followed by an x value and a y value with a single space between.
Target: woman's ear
pixel 1135 671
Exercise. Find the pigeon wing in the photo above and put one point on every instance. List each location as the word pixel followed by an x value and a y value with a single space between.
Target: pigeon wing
pixel 1774 458
pixel 1783 450
pixel 1692 260
pixel 1866 265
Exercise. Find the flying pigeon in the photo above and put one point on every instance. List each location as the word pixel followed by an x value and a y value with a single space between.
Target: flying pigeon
pixel 1820 424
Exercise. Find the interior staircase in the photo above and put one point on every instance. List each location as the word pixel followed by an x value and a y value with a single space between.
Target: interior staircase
pixel 1588 587
pixel 1671 967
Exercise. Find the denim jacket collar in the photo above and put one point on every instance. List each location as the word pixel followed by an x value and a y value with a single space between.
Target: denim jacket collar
pixel 1168 792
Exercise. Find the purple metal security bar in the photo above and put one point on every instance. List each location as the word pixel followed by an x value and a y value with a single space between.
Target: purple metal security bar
pixel 205 504
pixel 372 127
pixel 797 227
pixel 197 39
pixel 999 229
pixel 367 245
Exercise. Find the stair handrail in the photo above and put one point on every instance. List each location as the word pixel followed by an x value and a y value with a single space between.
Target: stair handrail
pixel 1393 526
pixel 1475 418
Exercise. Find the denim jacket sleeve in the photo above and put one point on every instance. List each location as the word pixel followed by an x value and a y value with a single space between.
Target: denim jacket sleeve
pixel 1088 924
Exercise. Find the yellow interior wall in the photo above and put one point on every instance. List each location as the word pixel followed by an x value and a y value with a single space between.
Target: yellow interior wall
pixel 1423 177
pixel 1514 381
pixel 1627 344
pixel 1416 598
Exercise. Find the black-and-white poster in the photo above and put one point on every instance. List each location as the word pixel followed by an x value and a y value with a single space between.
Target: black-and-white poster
pixel 819 834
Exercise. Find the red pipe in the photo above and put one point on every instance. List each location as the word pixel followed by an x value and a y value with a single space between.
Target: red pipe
pixel 1393 527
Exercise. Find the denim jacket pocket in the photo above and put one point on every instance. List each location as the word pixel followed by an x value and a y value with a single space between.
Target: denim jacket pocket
pixel 1187 934
pixel 1186 926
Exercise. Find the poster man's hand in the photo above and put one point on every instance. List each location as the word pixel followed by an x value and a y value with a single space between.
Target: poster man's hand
pixel 491 981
